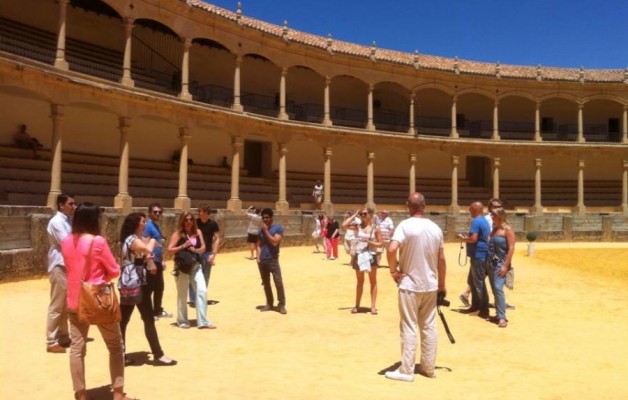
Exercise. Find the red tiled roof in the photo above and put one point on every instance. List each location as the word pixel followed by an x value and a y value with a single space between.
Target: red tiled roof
pixel 420 60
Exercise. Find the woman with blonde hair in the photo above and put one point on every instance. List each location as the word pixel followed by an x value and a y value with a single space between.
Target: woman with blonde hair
pixel 189 238
pixel 501 247
pixel 369 239
pixel 88 258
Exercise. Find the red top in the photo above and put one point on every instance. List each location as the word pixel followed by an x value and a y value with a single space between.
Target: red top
pixel 103 266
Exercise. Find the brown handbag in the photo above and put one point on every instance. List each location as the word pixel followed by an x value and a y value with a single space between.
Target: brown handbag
pixel 98 303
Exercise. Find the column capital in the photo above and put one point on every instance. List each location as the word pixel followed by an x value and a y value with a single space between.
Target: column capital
pixel 327 80
pixel 328 152
pixel 284 71
pixel 497 161
pixel 412 158
pixel 370 155
pixel 538 162
pixel 56 111
pixel 455 160
pixel 128 24
pixel 581 163
pixel 187 42
pixel 184 134
pixel 237 141
pixel 125 122
pixel 371 87
pixel 625 162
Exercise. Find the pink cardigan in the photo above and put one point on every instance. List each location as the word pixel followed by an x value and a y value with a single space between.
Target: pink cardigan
pixel 103 266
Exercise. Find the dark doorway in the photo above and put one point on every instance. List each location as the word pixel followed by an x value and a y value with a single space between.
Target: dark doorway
pixel 477 171
pixel 253 155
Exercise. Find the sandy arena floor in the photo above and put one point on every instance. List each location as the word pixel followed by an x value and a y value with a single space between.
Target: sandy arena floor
pixel 567 337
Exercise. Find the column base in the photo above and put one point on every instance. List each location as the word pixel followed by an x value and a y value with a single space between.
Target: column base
pixel 581 140
pixel 538 138
pixel 624 209
pixel 283 116
pixel 282 206
pixel 370 127
pixel 61 63
pixel 327 122
pixel 127 81
pixel 537 209
pixel 124 202
pixel 453 209
pixel 495 137
pixel 580 209
pixel 454 135
pixel 52 199
pixel 185 95
pixel 234 205
pixel 412 132
pixel 182 203
pixel 237 107
pixel 328 207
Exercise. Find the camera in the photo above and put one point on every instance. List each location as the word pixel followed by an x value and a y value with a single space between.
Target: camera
pixel 441 300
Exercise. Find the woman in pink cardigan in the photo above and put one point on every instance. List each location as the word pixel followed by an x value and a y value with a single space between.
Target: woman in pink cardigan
pixel 102 268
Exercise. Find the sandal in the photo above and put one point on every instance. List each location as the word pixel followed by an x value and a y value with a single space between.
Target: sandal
pixel 465 300
pixel 354 310
pixel 373 311
pixel 502 323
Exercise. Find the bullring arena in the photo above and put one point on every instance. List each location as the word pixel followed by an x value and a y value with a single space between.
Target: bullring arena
pixel 184 103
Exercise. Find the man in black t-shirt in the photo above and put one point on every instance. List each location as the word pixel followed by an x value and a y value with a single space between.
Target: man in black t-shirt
pixel 211 235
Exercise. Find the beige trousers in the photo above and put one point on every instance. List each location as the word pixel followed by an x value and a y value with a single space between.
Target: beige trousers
pixel 113 339
pixel 418 317
pixel 57 323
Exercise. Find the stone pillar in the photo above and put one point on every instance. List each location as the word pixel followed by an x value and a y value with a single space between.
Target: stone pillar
pixel 183 202
pixel 234 203
pixel 496 121
pixel 127 80
pixel 123 200
pixel 369 125
pixel 185 70
pixel 370 184
pixel 624 125
pixel 282 204
pixel 580 124
pixel 60 61
pixel 412 129
pixel 496 164
pixel 412 174
pixel 327 205
pixel 454 208
pixel 454 130
pixel 537 123
pixel 237 106
pixel 56 114
pixel 580 207
pixel 326 105
pixel 624 190
pixel 537 208
pixel 282 94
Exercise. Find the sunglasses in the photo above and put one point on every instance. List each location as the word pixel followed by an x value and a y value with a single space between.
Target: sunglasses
pixel 157 212
pixel 363 214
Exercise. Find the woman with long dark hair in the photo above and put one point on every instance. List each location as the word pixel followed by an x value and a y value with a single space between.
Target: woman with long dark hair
pixel 188 237
pixel 134 248
pixel 369 239
pixel 102 268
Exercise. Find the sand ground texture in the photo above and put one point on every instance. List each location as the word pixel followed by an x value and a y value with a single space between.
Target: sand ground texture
pixel 567 337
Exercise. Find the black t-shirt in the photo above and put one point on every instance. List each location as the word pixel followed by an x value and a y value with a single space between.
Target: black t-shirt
pixel 333 227
pixel 208 229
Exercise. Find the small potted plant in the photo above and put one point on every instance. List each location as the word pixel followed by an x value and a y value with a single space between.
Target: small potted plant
pixel 531 237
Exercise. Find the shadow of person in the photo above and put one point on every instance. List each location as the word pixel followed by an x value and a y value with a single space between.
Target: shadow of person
pixel 417 369
pixel 136 359
pixel 100 393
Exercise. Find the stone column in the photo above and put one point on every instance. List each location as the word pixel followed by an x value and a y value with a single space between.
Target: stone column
pixel 123 200
pixel 127 80
pixel 56 114
pixel 496 120
pixel 60 61
pixel 454 208
pixel 282 94
pixel 624 190
pixel 370 184
pixel 183 202
pixel 412 129
pixel 454 130
pixel 537 123
pixel 580 124
pixel 369 109
pixel 580 207
pixel 235 204
pixel 237 106
pixel 185 70
pixel 412 173
pixel 327 205
pixel 625 125
pixel 537 208
pixel 326 105
pixel 496 165
pixel 282 204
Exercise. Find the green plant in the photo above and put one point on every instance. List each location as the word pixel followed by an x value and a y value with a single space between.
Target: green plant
pixel 531 236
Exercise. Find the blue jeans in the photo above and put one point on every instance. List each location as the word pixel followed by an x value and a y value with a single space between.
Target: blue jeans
pixel 497 286
pixel 207 271
pixel 478 285
pixel 196 278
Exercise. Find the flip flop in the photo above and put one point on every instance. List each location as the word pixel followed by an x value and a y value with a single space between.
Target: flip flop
pixel 373 311
pixel 464 300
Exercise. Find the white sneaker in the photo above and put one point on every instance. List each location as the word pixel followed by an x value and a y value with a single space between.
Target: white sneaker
pixel 398 376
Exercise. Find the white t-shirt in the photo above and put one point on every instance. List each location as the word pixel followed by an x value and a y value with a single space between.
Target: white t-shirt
pixel 386 226
pixel 420 241
pixel 489 218
pixel 254 223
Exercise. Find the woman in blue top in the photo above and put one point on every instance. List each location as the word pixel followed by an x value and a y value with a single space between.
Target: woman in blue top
pixel 501 247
